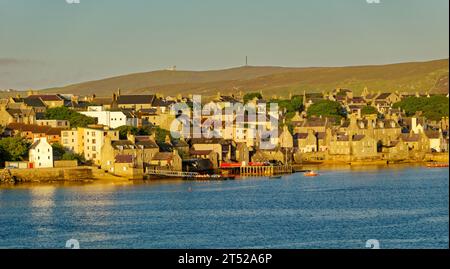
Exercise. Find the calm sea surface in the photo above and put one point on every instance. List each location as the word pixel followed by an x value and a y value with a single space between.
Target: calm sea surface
pixel 402 207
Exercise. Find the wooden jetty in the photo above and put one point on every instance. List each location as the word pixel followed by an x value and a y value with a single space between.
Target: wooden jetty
pixel 256 169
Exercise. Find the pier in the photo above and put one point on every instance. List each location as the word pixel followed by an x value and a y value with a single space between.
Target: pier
pixel 256 170
pixel 170 173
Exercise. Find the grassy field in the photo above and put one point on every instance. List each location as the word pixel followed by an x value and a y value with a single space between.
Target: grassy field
pixel 431 76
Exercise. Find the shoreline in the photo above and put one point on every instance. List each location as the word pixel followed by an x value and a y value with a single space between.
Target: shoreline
pixel 103 179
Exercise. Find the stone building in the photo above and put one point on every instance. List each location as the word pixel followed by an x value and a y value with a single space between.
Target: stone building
pixel 141 148
pixel 167 161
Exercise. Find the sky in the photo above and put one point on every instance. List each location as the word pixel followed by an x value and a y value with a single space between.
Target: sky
pixel 47 43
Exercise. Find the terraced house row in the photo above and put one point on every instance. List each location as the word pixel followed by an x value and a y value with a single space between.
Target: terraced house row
pixel 387 135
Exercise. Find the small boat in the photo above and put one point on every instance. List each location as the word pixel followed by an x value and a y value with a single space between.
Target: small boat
pixel 275 177
pixel 311 174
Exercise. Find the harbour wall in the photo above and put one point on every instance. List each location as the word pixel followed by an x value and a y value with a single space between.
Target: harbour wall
pixel 46 174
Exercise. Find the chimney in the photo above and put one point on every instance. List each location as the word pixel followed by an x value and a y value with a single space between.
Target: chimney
pixel 413 124
pixel 131 137
pixel 369 123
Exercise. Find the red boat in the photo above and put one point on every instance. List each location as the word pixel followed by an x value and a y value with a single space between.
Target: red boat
pixel 437 165
pixel 237 165
pixel 311 174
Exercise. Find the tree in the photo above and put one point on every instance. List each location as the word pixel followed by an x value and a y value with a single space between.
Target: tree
pixel 160 134
pixel 63 113
pixel 58 151
pixel 124 130
pixel 433 108
pixel 68 156
pixel 367 110
pixel 251 96
pixel 13 149
pixel 295 104
pixel 327 108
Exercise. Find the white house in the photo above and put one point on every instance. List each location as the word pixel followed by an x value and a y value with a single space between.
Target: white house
pixel 417 125
pixel 41 153
pixel 112 119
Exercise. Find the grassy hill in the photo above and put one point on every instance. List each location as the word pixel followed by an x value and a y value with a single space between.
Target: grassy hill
pixel 431 76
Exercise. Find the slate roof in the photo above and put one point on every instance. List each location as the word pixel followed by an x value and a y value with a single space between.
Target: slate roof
pixel 124 158
pixel 410 137
pixel 163 156
pixel 135 99
pixel 300 136
pixel 383 96
pixel 433 134
pixel 46 97
pixel 33 128
pixel 200 152
pixel 34 102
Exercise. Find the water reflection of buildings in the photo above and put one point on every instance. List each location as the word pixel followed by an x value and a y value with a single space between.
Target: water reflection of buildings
pixel 42 204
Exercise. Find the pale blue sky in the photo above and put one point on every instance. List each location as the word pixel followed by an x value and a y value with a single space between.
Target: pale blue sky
pixel 51 43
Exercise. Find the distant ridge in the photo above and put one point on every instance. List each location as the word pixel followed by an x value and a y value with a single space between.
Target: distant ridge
pixel 430 76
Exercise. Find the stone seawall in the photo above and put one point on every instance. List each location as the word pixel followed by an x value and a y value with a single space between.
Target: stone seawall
pixel 46 174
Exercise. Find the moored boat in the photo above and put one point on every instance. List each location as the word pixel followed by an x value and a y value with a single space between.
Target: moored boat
pixel 311 174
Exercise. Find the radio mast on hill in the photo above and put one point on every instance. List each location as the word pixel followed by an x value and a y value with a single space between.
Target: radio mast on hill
pixel 246 61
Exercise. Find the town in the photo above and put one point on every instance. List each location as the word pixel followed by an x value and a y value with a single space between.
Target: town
pixel 132 136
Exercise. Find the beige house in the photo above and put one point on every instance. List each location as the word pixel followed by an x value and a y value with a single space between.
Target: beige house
pixel 357 146
pixel 285 139
pixel 63 124
pixel 436 140
pixel 395 151
pixel 383 130
pixel 88 141
pixel 50 100
pixel 306 142
pixel 206 154
pixel 142 148
pixel 72 140
pixel 167 160
pixel 16 115
pixel 125 166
